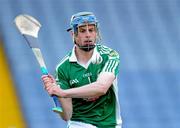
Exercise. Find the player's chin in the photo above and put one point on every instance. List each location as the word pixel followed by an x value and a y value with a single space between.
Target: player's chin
pixel 88 43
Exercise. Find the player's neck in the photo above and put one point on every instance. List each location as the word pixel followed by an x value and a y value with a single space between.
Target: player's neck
pixel 83 56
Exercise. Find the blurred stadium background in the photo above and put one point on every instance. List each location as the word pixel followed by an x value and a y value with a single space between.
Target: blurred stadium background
pixel 146 33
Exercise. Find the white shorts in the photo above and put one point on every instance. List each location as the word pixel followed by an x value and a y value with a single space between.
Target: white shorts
pixel 77 124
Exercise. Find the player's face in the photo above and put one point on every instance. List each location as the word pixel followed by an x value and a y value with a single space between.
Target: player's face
pixel 86 35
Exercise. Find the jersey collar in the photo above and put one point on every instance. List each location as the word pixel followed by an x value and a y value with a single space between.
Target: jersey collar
pixel 73 57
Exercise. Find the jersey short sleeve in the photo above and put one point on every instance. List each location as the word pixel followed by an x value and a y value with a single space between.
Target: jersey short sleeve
pixel 112 63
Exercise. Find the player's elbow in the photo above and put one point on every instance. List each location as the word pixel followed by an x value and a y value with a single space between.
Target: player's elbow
pixel 102 89
pixel 65 117
pixel 104 82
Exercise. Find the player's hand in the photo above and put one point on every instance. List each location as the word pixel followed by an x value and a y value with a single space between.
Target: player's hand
pixel 51 87
pixel 48 81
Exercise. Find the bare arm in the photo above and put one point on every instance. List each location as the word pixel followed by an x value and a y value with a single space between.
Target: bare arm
pixel 98 88
pixel 95 89
pixel 67 108
pixel 49 82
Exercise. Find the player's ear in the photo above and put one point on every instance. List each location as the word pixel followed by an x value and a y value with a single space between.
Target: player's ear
pixel 73 36
pixel 71 33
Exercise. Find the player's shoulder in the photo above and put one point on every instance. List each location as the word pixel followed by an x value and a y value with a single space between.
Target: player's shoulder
pixel 63 63
pixel 104 50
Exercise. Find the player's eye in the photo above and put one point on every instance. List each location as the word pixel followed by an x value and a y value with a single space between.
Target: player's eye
pixel 82 30
pixel 91 30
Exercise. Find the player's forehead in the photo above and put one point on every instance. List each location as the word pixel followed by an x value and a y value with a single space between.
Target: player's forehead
pixel 84 26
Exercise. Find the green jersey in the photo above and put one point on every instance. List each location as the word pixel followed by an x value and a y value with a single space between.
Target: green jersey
pixel 105 111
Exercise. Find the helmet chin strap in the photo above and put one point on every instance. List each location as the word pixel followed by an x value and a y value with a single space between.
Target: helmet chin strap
pixel 87 47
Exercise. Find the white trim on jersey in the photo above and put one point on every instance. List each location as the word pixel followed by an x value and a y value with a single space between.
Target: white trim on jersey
pixel 118 116
pixel 73 57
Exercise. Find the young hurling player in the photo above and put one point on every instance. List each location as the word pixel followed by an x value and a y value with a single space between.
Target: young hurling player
pixel 86 79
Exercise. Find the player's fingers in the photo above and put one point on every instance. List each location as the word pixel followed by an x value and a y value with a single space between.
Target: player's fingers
pixel 47 86
pixel 44 76
pixel 46 83
pixel 52 78
pixel 54 90
pixel 46 79
pixel 51 89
